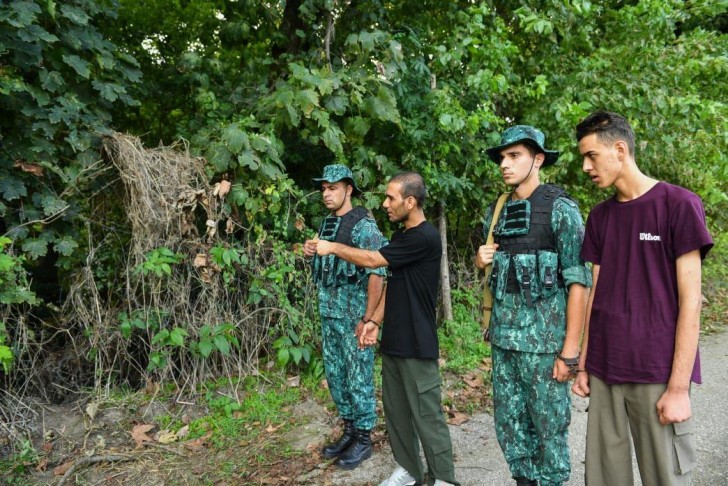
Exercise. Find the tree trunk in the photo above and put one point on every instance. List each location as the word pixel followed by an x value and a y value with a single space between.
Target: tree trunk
pixel 444 265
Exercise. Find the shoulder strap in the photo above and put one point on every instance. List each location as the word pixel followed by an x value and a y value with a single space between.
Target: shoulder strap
pixel 487 295
pixel 348 221
pixel 496 213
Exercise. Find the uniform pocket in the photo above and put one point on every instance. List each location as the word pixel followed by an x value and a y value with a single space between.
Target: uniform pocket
pixel 499 276
pixel 683 443
pixel 429 396
pixel 527 276
pixel 548 268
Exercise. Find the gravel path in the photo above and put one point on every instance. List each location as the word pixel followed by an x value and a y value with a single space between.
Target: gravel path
pixel 478 459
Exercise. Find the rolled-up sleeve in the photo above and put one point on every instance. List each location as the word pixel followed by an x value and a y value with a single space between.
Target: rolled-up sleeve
pixel 568 227
pixel 367 236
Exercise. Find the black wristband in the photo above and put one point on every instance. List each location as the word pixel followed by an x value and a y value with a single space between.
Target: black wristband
pixel 569 361
pixel 375 322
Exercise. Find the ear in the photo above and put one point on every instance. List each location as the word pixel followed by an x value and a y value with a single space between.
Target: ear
pixel 410 203
pixel 622 150
pixel 539 159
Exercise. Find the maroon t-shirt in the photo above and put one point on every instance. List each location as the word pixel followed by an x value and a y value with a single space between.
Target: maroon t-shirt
pixel 635 309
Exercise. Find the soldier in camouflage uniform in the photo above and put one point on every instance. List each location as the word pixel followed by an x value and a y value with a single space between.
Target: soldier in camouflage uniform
pixel 537 276
pixel 348 296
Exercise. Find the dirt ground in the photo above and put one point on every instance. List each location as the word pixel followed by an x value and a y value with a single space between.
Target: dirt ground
pixel 89 443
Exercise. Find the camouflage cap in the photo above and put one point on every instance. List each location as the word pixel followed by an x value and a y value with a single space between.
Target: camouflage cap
pixel 336 173
pixel 525 134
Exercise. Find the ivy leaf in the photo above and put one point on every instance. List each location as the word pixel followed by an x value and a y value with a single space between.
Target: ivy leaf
pixel 79 65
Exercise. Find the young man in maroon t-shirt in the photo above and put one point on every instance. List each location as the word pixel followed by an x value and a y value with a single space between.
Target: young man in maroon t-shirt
pixel 640 347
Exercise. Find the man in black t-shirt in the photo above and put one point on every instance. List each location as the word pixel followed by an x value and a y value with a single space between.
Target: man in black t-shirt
pixel 410 373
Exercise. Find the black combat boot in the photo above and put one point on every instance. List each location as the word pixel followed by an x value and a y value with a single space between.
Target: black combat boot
pixel 335 449
pixel 521 481
pixel 358 451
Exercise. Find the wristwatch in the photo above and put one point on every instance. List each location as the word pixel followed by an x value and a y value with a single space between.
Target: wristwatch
pixel 571 363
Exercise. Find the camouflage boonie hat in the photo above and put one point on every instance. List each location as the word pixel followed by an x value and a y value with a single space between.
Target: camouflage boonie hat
pixel 525 134
pixel 336 173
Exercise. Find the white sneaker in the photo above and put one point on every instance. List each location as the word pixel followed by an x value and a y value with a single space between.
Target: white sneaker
pixel 440 482
pixel 400 477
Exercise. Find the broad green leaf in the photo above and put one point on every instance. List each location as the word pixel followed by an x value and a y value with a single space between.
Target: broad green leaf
pixel 177 336
pixel 65 246
pixel 283 356
pixel 22 13
pixel 206 347
pixel 75 14
pixel 51 80
pixel 307 99
pixel 337 104
pixel 79 65
pixel 248 158
pixel 51 204
pixel 108 91
pixel 160 337
pixel 235 138
pixel 366 40
pixel 35 32
pixel 12 188
pixel 222 344
pixel 296 354
pixel 35 248
pixel 332 137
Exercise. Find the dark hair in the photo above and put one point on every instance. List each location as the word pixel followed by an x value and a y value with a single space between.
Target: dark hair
pixel 608 126
pixel 411 184
pixel 533 148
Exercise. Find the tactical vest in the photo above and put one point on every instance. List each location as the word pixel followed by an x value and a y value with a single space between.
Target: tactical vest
pixel 524 227
pixel 329 270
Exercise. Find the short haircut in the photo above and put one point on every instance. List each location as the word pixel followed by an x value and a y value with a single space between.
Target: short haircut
pixel 533 149
pixel 412 184
pixel 609 127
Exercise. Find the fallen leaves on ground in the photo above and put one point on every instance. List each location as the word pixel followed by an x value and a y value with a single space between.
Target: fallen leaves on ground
pixel 139 434
pixel 63 468
pixel 457 418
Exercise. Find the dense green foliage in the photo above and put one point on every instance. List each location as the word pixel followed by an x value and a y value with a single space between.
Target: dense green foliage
pixel 269 92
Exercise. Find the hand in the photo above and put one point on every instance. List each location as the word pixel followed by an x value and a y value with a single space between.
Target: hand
pixel 674 406
pixel 581 384
pixel 324 247
pixel 368 335
pixel 561 371
pixel 309 247
pixel 484 255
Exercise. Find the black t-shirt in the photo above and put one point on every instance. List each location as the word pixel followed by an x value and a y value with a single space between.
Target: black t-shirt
pixel 410 326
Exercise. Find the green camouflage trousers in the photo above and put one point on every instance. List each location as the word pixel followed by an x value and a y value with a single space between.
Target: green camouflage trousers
pixel 349 372
pixel 532 415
